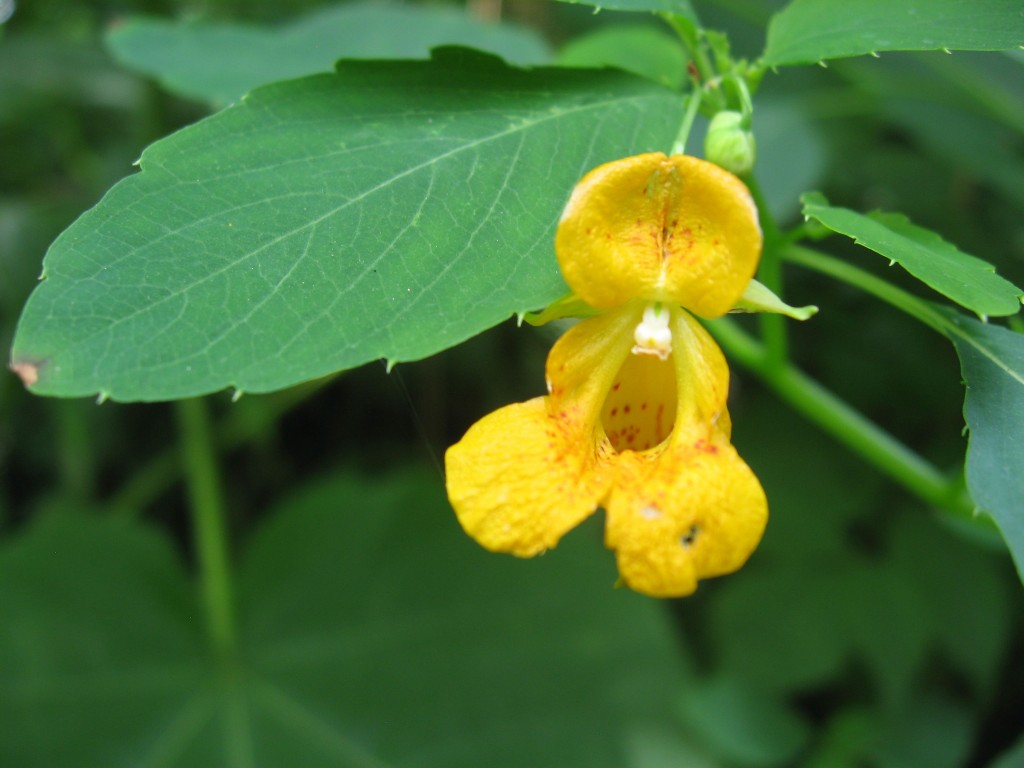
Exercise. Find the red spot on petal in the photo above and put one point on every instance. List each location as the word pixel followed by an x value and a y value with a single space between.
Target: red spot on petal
pixel 625 409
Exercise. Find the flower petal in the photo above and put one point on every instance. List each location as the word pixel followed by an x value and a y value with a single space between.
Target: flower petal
pixel 526 474
pixel 523 476
pixel 702 382
pixel 674 229
pixel 693 509
pixel 690 513
pixel 582 364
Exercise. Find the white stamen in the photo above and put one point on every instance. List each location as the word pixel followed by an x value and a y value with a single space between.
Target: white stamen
pixel 653 335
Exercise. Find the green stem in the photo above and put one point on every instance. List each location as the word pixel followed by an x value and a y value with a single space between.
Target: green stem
pixel 690 36
pixel 692 105
pixel 844 423
pixel 887 292
pixel 208 519
pixel 234 430
pixel 75 448
pixel 773 326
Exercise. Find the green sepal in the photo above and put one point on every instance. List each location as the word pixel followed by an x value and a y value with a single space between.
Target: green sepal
pixel 758 298
pixel 569 305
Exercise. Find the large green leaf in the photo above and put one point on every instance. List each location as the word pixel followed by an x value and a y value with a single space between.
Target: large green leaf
pixel 638 48
pixel 742 724
pixel 965 279
pixel 220 62
pixel 784 174
pixel 966 141
pixel 681 8
pixel 965 595
pixel 836 583
pixel 992 361
pixel 1012 757
pixel 390 210
pixel 807 31
pixel 373 632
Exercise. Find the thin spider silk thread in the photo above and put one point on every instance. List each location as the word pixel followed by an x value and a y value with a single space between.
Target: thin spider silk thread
pixel 396 377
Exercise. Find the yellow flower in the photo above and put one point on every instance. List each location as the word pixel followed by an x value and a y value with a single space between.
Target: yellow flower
pixel 635 419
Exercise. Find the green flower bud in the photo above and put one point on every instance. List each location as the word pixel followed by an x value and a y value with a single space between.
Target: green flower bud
pixel 730 145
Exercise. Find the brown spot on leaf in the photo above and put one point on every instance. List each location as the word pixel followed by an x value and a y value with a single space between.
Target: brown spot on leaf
pixel 27 372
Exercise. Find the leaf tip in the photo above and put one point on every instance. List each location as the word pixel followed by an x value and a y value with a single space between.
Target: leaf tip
pixel 26 371
pixel 102 397
pixel 237 395
pixel 875 54
pixel 389 365
pixel 822 63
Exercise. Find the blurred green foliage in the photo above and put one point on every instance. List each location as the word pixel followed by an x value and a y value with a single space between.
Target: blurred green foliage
pixel 868 630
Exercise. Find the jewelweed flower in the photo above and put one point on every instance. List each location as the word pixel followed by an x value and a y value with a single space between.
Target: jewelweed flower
pixel 635 419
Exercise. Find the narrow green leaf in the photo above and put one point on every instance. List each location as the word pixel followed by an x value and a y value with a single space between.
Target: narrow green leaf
pixel 372 633
pixel 992 362
pixel 638 48
pixel 391 210
pixel 965 279
pixel 809 31
pixel 220 62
